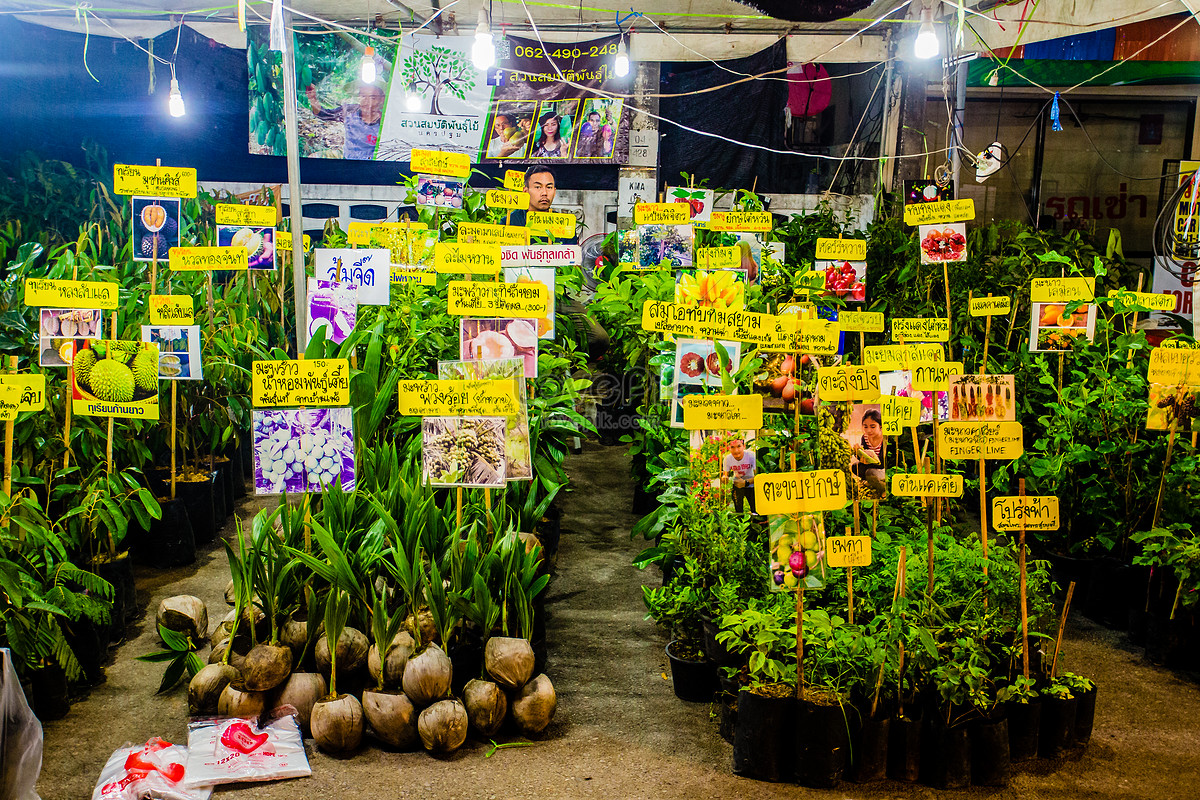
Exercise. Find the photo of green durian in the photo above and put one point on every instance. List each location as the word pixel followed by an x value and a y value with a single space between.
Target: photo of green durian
pixel 116 371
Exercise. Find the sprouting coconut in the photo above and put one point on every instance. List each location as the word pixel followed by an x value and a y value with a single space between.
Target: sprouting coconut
pixel 351 655
pixel 337 721
pixel 486 706
pixel 302 691
pixel 237 701
pixel 427 676
pixel 265 567
pixel 509 661
pixel 207 685
pixel 266 666
pixel 184 613
pixel 534 704
pixel 226 652
pixel 443 726
pixel 393 718
pixel 389 671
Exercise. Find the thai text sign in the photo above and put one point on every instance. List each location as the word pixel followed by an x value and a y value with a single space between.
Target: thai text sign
pixel 155 181
pixel 722 412
pixel 908 484
pixel 973 440
pixel 466 257
pixel 46 293
pixel 800 492
pixel 449 398
pixel 483 299
pixel 939 213
pixel 204 259
pixel 1039 513
pixel 307 382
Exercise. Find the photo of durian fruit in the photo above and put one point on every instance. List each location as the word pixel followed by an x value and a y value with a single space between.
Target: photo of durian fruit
pixel 155 227
pixel 259 243
pixel 116 378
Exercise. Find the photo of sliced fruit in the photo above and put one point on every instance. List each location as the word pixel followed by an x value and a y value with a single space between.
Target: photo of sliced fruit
pixel 697 362
pixel 691 364
pixel 1055 328
pixel 941 244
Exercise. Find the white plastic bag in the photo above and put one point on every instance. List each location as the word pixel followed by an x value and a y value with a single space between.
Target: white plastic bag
pixel 154 770
pixel 20 737
pixel 232 750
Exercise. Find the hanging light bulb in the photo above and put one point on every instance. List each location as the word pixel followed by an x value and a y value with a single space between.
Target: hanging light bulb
pixel 368 65
pixel 412 100
pixel 175 100
pixel 926 45
pixel 483 52
pixel 621 65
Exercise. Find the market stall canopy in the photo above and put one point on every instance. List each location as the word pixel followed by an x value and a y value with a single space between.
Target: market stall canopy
pixel 668 30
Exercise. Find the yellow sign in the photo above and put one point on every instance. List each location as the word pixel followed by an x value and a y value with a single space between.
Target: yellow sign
pixel 514 180
pixel 973 440
pixel 908 484
pixel 361 232
pixel 1168 365
pixel 864 321
pixel 46 293
pixel 154 181
pixel 841 250
pixel 990 306
pixel 486 299
pixel 436 162
pixel 800 492
pixel 31 390
pixel 453 398
pixel 202 259
pixel 890 357
pixel 1141 301
pixel 817 337
pixel 751 221
pixel 722 412
pixel 421 277
pixel 662 214
pixel 717 257
pixel 1040 513
pixel 934 376
pixel 550 223
pixel 498 198
pixel 283 241
pixel 711 323
pixel 171 309
pixel 486 233
pixel 254 216
pixel 920 329
pixel 306 382
pixel 856 384
pixel 10 402
pixel 1061 290
pixel 848 551
pixel 899 413
pixel 940 212
pixel 466 257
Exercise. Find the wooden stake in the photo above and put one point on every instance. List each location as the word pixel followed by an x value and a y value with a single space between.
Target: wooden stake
pixel 174 405
pixel 849 589
pixel 154 250
pixel 1012 320
pixel 9 428
pixel 70 388
pixel 1062 626
pixel 949 317
pixel 895 595
pixel 109 447
pixel 983 509
pixel 1134 322
pixel 458 500
pixel 1162 481
pixel 800 642
pixel 1021 588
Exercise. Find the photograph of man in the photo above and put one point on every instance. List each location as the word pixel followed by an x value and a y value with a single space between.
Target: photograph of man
pixel 509 133
pixel 738 466
pixel 361 120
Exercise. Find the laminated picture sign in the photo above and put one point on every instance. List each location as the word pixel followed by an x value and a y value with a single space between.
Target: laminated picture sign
pixel 303 450
pixel 115 378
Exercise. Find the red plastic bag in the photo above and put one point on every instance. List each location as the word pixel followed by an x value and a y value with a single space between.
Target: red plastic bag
pixel 156 770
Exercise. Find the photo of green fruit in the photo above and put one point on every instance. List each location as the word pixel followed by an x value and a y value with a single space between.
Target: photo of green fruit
pixel 797 552
pixel 116 378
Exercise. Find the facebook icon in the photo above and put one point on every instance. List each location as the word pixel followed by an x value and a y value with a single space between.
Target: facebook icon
pixel 495 77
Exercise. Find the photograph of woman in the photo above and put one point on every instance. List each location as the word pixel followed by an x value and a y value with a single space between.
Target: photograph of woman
pixel 868 448
pixel 553 134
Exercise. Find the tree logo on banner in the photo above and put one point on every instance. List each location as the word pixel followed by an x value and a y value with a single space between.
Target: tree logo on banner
pixel 438 69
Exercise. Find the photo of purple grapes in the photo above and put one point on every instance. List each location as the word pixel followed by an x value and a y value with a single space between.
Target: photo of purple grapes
pixel 303 450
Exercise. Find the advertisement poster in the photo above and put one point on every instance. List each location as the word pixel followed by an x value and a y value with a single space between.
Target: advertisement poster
pixel 155 227
pixel 259 243
pixel 303 450
pixel 115 378
pixel 178 351
pixel 1175 279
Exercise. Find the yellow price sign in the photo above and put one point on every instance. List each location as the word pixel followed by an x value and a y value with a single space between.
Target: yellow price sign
pixel 717 257
pixel 1142 302
pixel 204 259
pixel 861 321
pixel 254 216
pixel 848 551
pixel 841 250
pixel 514 180
pixel 920 329
pixel 722 412
pixel 855 384
pixel 47 293
pixel 487 233
pixel 800 492
pixel 551 223
pixel 1168 365
pixel 662 214
pixel 453 398
pixel 31 390
pixel 420 277
pixel 990 306
pixel 283 241
pixel 154 181
pixel 934 376
pixel 940 212
pixel 436 162
pixel 909 484
pixel 890 357
pixel 498 198
pixel 466 257
pixel 171 309
pixel 711 323
pixel 305 382
pixel 1061 290
pixel 485 299
pixel 1040 513
pixel 899 413
pixel 816 337
pixel 10 402
pixel 749 221
pixel 974 440
pixel 360 233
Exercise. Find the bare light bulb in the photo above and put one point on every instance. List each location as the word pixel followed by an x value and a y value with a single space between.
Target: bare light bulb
pixel 621 65
pixel 926 45
pixel 412 100
pixel 175 100
pixel 483 52
pixel 368 65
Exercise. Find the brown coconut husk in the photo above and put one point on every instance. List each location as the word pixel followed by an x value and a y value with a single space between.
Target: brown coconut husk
pixel 294 634
pixel 533 705
pixel 236 701
pixel 337 724
pixel 206 686
pixel 509 661
pixel 425 626
pixel 530 540
pixel 427 676
pixel 351 653
pixel 266 666
pixel 230 594
pixel 486 706
pixel 392 717
pixel 184 613
pixel 392 667
pixel 301 691
pixel 236 658
pixel 443 726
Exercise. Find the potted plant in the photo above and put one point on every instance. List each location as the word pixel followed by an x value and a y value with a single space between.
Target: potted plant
pixel 1022 705
pixel 337 720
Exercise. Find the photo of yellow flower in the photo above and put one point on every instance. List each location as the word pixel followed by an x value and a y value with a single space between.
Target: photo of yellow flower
pixel 724 290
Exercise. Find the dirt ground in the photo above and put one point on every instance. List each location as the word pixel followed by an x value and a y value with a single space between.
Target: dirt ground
pixel 620 732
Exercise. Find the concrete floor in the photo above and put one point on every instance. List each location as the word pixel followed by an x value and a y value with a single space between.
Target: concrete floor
pixel 620 732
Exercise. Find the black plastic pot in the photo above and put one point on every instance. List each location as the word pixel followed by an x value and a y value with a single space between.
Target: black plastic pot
pixel 945 755
pixel 50 692
pixel 1058 726
pixel 1166 643
pixel 670 567
pixel 550 532
pixel 197 497
pixel 822 744
pixel 158 479
pixel 89 642
pixel 694 681
pixel 220 511
pixel 119 572
pixel 466 657
pixel 869 749
pixel 727 723
pixel 224 469
pixel 1024 723
pixel 1064 569
pixel 764 737
pixel 716 652
pixel 991 763
pixel 246 454
pixel 170 541
pixel 1085 716
pixel 237 470
pixel 904 749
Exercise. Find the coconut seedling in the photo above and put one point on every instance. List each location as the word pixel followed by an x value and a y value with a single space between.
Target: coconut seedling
pixel 484 700
pixel 336 721
pixel 233 698
pixel 428 674
pixel 269 663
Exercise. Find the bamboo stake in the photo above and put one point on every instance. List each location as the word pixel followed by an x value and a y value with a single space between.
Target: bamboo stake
pixel 895 594
pixel 1134 323
pixel 949 317
pixel 70 387
pixel 458 501
pixel 109 447
pixel 983 510
pixel 800 642
pixel 1012 320
pixel 9 428
pixel 1024 599
pixel 1162 481
pixel 174 406
pixel 154 250
pixel 1062 626
pixel 849 589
